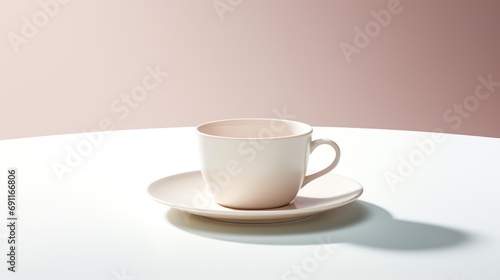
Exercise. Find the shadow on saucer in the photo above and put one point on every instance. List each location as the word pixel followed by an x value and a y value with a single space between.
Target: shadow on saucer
pixel 359 223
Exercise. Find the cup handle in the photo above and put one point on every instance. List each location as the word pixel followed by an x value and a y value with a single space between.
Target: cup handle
pixel 314 145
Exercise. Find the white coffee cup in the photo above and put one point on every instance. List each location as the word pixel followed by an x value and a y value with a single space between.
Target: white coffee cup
pixel 257 163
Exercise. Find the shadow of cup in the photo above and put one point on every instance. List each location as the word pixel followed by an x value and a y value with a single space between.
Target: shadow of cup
pixel 359 223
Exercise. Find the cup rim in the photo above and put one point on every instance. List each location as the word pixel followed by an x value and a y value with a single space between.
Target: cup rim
pixel 308 129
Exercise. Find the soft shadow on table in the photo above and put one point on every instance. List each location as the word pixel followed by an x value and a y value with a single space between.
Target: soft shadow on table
pixel 359 223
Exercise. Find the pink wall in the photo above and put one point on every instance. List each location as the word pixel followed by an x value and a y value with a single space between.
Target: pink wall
pixel 65 66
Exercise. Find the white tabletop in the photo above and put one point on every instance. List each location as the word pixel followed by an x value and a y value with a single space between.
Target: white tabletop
pixel 434 218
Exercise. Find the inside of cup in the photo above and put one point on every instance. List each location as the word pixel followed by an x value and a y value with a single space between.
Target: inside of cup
pixel 254 128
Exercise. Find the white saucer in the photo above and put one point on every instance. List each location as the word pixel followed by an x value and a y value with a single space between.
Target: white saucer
pixel 185 192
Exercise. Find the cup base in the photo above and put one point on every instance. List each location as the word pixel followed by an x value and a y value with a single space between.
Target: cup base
pixel 252 208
